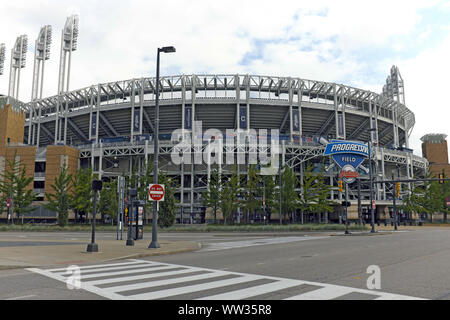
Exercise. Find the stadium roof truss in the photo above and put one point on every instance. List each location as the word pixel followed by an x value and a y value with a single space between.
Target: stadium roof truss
pixel 281 87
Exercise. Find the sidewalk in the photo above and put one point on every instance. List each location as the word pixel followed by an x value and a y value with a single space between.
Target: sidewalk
pixel 35 252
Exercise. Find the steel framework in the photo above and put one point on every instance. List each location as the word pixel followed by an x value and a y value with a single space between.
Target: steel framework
pixel 325 110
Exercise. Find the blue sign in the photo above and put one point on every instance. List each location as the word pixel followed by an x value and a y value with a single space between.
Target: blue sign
pixel 136 122
pixel 94 124
pixel 347 153
pixel 188 118
pixel 243 117
pixel 343 147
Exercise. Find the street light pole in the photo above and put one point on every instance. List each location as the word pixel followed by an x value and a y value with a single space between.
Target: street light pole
pixel 96 186
pixel 394 196
pixel 372 215
pixel 154 243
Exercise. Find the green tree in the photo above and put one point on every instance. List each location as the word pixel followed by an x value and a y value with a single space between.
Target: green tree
pixel 289 197
pixel 145 180
pixel 82 192
pixel 15 182
pixel 229 195
pixel 270 194
pixel 109 200
pixel 322 191
pixel 251 192
pixel 59 201
pixel 308 192
pixel 167 208
pixel 211 198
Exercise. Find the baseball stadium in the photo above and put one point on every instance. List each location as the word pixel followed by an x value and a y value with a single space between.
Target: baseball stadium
pixel 110 127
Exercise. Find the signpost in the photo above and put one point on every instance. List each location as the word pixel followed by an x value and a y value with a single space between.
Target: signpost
pixel 156 193
pixel 348 155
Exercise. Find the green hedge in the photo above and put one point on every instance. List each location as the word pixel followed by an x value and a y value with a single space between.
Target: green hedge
pixel 189 228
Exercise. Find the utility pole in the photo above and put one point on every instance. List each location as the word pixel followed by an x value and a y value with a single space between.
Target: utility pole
pixel 346 209
pixel 280 200
pixel 394 196
pixel 372 214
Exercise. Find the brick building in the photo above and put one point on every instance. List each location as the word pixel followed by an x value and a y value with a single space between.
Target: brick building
pixel 435 150
pixel 41 163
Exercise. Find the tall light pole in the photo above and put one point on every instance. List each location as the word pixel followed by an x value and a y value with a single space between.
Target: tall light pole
pixel 154 243
pixel 372 214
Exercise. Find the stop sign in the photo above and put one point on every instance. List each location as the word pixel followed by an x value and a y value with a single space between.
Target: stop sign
pixel 156 192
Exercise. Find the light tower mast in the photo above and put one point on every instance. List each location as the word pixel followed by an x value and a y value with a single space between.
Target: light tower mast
pixel 41 53
pixel 18 61
pixel 395 89
pixel 69 38
pixel 2 57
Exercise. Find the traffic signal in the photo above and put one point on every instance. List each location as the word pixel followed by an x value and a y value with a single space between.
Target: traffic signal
pixel 346 203
pixel 397 189
pixel 441 178
pixel 341 186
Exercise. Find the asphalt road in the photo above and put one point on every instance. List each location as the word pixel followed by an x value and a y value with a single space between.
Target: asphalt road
pixel 413 263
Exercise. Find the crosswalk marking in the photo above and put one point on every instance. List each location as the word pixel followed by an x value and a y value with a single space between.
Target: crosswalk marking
pixel 214 246
pixel 253 291
pixel 326 293
pixel 163 280
pixel 156 283
pixel 116 273
pixel 99 266
pixel 129 267
pixel 194 288
pixel 140 277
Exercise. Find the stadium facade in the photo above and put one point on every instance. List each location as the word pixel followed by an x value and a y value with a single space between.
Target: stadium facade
pixel 109 127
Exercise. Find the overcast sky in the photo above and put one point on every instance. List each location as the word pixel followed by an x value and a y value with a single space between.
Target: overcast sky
pixel 349 42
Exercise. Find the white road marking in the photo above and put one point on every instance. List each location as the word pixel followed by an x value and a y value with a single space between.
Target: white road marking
pixel 182 279
pixel 194 288
pixel 97 266
pixel 326 293
pixel 22 297
pixel 253 291
pixel 214 246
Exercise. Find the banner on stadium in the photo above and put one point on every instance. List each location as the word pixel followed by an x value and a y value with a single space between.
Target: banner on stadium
pixel 136 120
pixel 188 118
pixel 93 124
pixel 243 117
pixel 296 120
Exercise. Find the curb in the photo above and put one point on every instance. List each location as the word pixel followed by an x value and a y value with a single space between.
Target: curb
pixel 382 233
pixel 131 256
pixel 142 255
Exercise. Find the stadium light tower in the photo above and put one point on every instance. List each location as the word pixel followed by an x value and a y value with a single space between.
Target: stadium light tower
pixel 154 243
pixel 2 57
pixel 69 39
pixel 41 53
pixel 18 61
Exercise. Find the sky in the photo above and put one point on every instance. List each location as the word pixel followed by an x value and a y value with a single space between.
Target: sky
pixel 348 42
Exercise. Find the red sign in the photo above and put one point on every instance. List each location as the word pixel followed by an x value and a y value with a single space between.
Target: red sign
pixel 156 192
pixel 349 174
pixel 373 204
